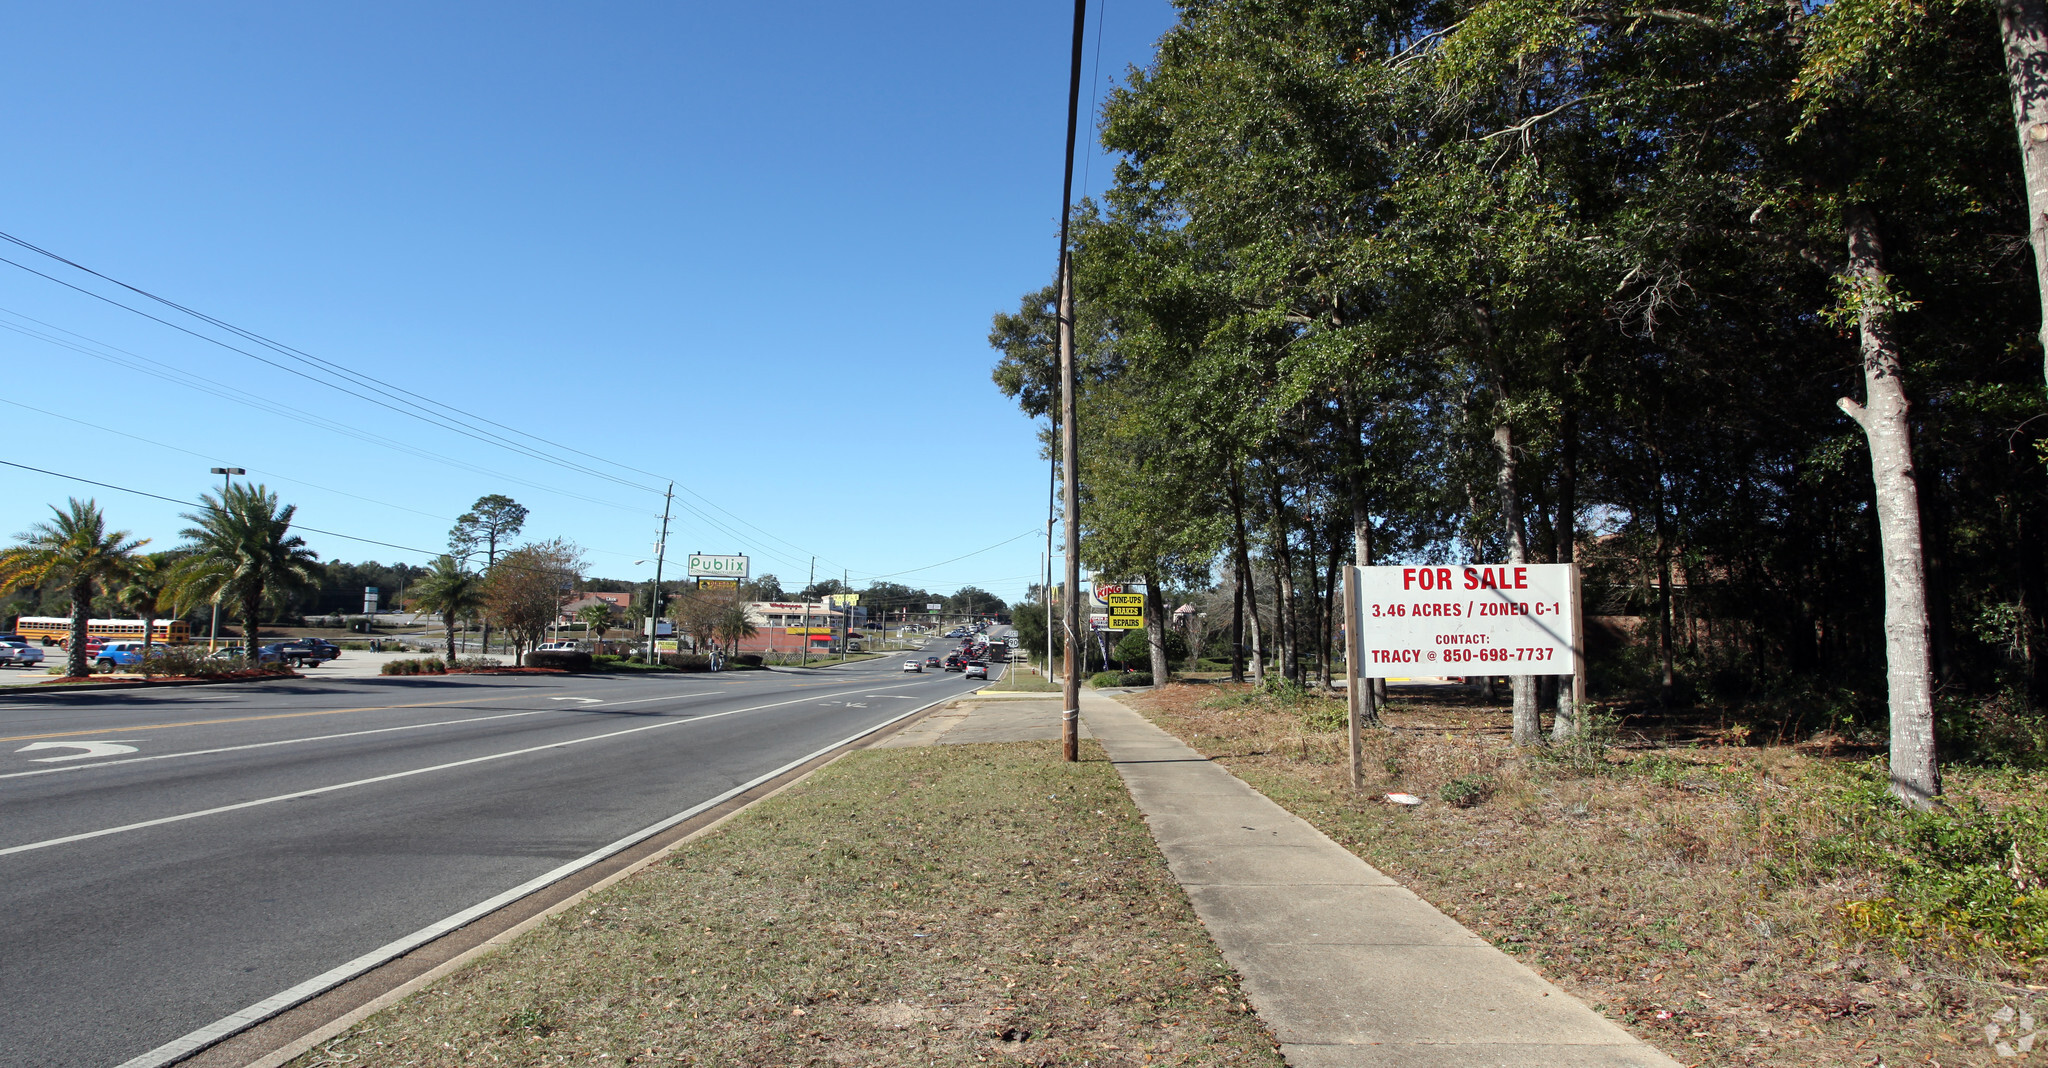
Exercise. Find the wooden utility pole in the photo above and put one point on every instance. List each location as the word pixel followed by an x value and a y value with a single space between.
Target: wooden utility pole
pixel 1070 614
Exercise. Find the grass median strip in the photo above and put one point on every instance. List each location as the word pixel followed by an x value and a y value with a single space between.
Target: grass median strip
pixel 943 905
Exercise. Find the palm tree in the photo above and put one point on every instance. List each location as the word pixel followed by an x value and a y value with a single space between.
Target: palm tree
pixel 597 618
pixel 147 594
pixel 451 590
pixel 78 551
pixel 241 551
pixel 733 625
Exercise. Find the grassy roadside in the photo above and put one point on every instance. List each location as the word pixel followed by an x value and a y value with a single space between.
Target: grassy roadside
pixel 949 905
pixel 1732 906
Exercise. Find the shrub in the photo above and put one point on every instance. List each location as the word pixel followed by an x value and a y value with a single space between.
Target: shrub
pixel 752 660
pixel 414 666
pixel 1321 715
pixel 686 661
pixel 476 663
pixel 1134 678
pixel 1467 790
pixel 1103 678
pixel 563 659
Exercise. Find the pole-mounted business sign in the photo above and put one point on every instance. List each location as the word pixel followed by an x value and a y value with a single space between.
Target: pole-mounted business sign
pixel 732 567
pixel 1476 619
pixel 1126 610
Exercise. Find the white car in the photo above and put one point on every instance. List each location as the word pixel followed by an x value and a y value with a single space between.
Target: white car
pixel 976 671
pixel 914 665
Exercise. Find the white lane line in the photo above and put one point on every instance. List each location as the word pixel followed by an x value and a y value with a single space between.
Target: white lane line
pixel 47 843
pixel 282 741
pixel 177 1049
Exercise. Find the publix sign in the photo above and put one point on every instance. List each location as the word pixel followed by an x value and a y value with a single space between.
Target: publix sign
pixel 732 567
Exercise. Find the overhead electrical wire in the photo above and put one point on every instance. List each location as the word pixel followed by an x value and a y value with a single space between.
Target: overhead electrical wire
pixel 455 419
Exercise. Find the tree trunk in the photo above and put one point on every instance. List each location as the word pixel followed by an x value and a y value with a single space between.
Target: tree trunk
pixel 75 664
pixel 1667 686
pixel 1326 632
pixel 1245 582
pixel 1915 776
pixel 148 640
pixel 251 604
pixel 1566 725
pixel 1528 725
pixel 449 622
pixel 1284 617
pixel 1155 629
pixel 1236 624
pixel 2023 28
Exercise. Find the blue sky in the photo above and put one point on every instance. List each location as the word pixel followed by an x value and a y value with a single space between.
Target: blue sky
pixel 753 248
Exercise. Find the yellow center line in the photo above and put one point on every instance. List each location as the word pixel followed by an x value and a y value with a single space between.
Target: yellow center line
pixel 251 719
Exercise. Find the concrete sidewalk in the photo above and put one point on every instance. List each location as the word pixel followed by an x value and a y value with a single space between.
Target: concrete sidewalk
pixel 1347 967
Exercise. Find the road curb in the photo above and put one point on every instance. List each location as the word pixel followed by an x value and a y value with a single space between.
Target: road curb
pixel 95 687
pixel 224 1050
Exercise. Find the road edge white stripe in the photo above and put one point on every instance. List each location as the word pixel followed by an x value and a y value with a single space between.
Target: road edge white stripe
pixel 177 1049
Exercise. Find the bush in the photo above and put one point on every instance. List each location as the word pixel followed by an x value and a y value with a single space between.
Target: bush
pixel 1135 647
pixel 476 663
pixel 752 660
pixel 562 659
pixel 1323 715
pixel 431 665
pixel 1467 790
pixel 1134 678
pixel 685 661
pixel 193 661
pixel 1103 678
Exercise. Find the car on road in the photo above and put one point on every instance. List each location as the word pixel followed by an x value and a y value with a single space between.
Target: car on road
pixel 976 671
pixel 954 663
pixel 933 661
pixel 18 653
pixel 914 665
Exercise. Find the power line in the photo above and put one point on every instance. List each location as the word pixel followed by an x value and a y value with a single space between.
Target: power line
pixel 456 419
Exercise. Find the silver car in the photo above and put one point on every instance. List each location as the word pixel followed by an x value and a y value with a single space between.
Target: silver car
pixel 19 654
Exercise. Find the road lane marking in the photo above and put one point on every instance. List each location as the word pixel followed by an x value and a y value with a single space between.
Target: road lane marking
pixel 279 715
pixel 179 1048
pixel 585 700
pixel 92 749
pixel 272 744
pixel 316 791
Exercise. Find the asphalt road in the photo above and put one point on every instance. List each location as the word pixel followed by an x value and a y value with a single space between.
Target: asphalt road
pixel 258 836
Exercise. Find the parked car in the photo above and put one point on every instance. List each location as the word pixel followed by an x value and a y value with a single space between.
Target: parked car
pixel 18 653
pixel 123 654
pixel 914 665
pixel 264 655
pixel 305 652
pixel 975 671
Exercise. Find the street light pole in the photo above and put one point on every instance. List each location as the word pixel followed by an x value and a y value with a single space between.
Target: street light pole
pixel 227 482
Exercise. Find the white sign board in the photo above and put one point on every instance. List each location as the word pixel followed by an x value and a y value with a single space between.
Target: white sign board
pixel 1466 619
pixel 732 567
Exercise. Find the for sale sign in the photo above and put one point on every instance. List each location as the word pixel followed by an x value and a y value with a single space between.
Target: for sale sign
pixel 1471 619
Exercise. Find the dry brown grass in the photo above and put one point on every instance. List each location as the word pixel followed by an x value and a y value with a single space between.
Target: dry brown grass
pixel 953 905
pixel 1664 887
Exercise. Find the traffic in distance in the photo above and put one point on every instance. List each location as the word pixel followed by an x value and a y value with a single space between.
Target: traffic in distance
pixel 972 658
